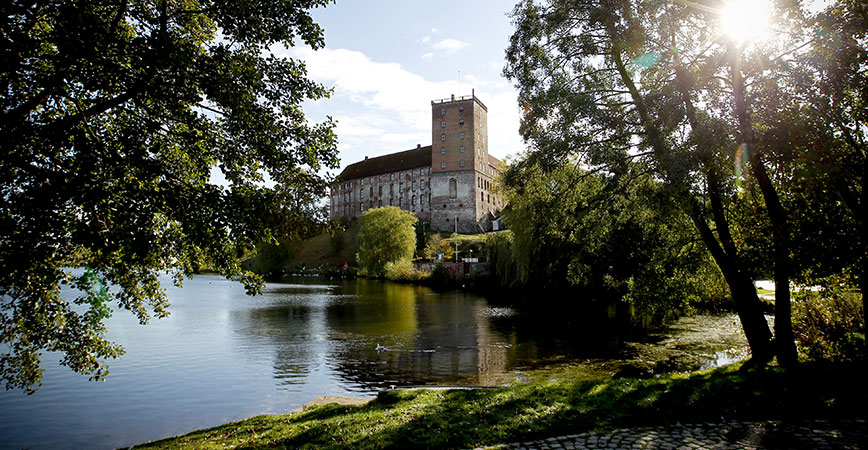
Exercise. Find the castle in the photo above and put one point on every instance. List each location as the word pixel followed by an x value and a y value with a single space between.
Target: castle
pixel 447 184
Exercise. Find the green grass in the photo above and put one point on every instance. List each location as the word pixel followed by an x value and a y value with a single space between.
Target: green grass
pixel 462 419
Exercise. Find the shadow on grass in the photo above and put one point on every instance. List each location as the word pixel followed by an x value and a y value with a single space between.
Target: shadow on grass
pixel 463 419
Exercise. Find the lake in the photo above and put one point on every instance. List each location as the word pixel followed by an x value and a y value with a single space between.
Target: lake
pixel 222 355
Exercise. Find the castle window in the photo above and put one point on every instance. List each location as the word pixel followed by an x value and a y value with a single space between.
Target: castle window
pixel 442 111
pixel 400 202
pixel 401 176
pixel 391 189
pixel 453 188
pixel 380 191
pixel 414 185
pixel 422 185
pixel 361 194
pixel 362 182
pixel 481 197
pixel 461 163
pixel 461 122
pixel 461 149
pixel 361 206
pixel 391 176
pixel 442 137
pixel 380 179
pixel 414 200
pixel 443 151
pixel 442 124
pixel 401 188
pixel 442 165
pixel 460 135
pixel 461 108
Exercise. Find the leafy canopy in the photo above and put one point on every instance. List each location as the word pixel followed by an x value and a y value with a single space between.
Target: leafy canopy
pixel 386 234
pixel 112 117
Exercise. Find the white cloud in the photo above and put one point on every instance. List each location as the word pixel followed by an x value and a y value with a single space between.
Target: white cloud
pixel 426 39
pixel 450 46
pixel 382 108
pixel 428 56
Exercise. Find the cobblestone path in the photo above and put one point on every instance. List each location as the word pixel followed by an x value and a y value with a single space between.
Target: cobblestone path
pixel 840 434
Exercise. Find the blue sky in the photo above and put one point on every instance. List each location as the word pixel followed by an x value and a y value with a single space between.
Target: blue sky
pixel 388 59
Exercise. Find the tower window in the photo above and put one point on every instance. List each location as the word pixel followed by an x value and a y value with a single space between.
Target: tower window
pixel 461 122
pixel 443 137
pixel 461 149
pixel 461 108
pixel 443 151
pixel 442 165
pixel 460 136
pixel 442 124
pixel 442 111
pixel 461 163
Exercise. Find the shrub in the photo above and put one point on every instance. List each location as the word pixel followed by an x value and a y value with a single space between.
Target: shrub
pixel 404 270
pixel 829 325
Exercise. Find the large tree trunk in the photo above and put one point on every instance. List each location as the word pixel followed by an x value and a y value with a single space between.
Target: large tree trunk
pixel 724 251
pixel 784 339
pixel 747 303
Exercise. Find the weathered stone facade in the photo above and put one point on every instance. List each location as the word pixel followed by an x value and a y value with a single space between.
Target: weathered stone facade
pixel 447 184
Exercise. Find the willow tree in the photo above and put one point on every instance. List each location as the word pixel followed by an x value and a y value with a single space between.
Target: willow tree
pixel 113 116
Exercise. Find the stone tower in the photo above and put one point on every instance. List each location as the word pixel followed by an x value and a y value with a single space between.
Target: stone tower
pixel 459 160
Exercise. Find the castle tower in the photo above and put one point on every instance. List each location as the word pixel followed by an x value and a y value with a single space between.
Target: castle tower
pixel 459 159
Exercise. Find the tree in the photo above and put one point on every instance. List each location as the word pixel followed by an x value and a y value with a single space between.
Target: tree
pixel 659 83
pixel 386 234
pixel 113 116
pixel 611 235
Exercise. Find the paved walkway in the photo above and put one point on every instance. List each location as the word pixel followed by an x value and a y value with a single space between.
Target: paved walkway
pixel 842 434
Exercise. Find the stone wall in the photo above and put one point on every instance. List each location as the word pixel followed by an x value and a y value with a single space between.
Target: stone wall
pixel 445 209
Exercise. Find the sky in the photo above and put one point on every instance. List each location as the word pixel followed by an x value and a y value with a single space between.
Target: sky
pixel 387 60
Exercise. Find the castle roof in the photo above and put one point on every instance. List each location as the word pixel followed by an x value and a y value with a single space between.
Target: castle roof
pixel 394 162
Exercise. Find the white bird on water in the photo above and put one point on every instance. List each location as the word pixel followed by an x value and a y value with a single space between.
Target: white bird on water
pixel 380 348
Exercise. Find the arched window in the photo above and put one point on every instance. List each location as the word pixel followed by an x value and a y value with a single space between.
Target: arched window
pixel 453 188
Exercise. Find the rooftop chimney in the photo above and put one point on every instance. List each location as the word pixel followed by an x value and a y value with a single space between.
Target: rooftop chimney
pixel 418 146
pixel 366 157
pixel 453 97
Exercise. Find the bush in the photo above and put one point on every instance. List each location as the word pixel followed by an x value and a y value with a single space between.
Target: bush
pixel 829 325
pixel 404 270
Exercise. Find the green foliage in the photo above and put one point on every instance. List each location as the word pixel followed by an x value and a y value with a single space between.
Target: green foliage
pixel 761 144
pixel 112 118
pixel 386 235
pixel 501 259
pixel 436 244
pixel 404 270
pixel 829 324
pixel 572 228
pixel 417 419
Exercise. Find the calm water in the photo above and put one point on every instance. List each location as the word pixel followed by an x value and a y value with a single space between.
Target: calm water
pixel 223 355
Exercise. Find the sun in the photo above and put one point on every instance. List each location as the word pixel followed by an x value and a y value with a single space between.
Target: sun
pixel 746 20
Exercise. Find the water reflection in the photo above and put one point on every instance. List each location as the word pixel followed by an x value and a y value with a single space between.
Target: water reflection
pixel 223 356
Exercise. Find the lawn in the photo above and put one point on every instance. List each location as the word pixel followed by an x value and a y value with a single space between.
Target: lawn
pixel 462 419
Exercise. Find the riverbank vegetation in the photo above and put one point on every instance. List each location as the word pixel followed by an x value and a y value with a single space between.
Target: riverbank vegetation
pixel 469 418
pixel 756 150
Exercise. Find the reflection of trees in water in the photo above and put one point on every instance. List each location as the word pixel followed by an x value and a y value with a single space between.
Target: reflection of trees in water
pixel 286 331
pixel 572 330
pixel 431 338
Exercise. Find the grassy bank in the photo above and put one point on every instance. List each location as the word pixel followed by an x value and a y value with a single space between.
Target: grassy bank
pixel 462 419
